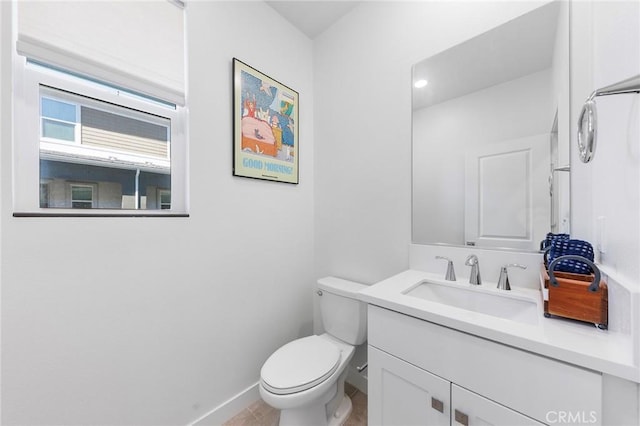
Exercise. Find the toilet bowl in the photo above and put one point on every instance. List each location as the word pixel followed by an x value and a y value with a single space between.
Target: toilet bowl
pixel 305 378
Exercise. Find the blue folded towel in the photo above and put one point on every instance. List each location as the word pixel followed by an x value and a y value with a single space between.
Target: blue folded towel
pixel 562 247
pixel 551 237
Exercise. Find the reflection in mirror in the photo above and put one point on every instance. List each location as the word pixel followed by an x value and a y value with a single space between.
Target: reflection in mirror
pixel 491 136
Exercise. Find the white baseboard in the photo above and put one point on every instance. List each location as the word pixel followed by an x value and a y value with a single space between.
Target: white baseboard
pixel 230 408
pixel 359 380
pixel 242 400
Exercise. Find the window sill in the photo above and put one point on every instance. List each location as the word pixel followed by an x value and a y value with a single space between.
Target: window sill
pixel 64 214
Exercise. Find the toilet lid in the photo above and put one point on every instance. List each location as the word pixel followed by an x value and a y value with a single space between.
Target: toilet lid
pixel 300 365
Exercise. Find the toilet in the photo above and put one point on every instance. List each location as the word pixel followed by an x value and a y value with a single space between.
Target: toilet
pixel 305 378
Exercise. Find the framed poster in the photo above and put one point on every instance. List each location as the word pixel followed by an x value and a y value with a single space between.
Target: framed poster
pixel 265 126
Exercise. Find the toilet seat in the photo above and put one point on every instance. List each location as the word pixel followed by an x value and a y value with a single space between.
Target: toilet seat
pixel 300 365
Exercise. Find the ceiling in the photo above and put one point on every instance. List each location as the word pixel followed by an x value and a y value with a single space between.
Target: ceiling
pixel 520 40
pixel 312 17
pixel 512 50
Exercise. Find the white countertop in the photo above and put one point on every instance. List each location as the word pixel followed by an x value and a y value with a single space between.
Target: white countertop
pixel 565 340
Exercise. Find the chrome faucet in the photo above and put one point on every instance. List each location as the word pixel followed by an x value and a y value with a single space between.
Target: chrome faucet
pixel 474 277
pixel 451 273
pixel 503 281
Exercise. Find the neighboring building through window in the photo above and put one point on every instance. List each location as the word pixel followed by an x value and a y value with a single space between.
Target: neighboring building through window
pixel 123 152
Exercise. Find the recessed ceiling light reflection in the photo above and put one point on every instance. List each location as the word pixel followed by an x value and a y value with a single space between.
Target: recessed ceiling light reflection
pixel 420 84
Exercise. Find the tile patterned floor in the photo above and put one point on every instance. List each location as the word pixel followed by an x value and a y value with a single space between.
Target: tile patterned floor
pixel 260 414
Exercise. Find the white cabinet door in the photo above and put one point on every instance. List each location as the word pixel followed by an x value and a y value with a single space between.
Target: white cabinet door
pixel 471 409
pixel 401 394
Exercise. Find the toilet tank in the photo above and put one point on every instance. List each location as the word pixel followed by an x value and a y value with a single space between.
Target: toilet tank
pixel 343 315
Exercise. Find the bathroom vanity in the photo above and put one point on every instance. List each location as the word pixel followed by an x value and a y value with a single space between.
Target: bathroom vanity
pixel 419 370
pixel 432 361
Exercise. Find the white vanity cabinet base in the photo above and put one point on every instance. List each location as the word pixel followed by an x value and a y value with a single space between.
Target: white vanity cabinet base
pixel 536 386
pixel 403 394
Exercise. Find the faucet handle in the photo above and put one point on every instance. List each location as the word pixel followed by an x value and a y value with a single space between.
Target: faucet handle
pixel 474 277
pixel 472 259
pixel 503 281
pixel 451 273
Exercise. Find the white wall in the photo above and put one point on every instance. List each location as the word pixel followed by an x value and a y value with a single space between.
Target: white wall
pixel 156 321
pixel 362 68
pixel 363 137
pixel 606 50
pixel 363 121
pixel 444 133
pixel 362 80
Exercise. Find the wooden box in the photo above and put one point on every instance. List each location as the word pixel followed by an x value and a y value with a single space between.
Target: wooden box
pixel 572 298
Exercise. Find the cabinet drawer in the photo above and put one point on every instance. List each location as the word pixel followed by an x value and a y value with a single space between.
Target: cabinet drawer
pixel 530 384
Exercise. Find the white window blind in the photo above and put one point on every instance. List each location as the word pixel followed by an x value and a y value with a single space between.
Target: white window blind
pixel 138 45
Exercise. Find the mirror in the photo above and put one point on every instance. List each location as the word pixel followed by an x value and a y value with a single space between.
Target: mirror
pixel 491 136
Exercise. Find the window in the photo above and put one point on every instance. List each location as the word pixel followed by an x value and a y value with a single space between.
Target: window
pixel 58 120
pixel 129 147
pixel 99 105
pixel 81 196
pixel 164 196
pixel 44 195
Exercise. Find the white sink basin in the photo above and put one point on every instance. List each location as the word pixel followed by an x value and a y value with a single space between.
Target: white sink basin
pixel 497 303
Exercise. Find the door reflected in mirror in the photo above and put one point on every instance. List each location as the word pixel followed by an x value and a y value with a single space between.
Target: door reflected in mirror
pixel 491 136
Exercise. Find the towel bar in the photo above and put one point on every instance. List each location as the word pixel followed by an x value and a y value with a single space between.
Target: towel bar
pixel 587 120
